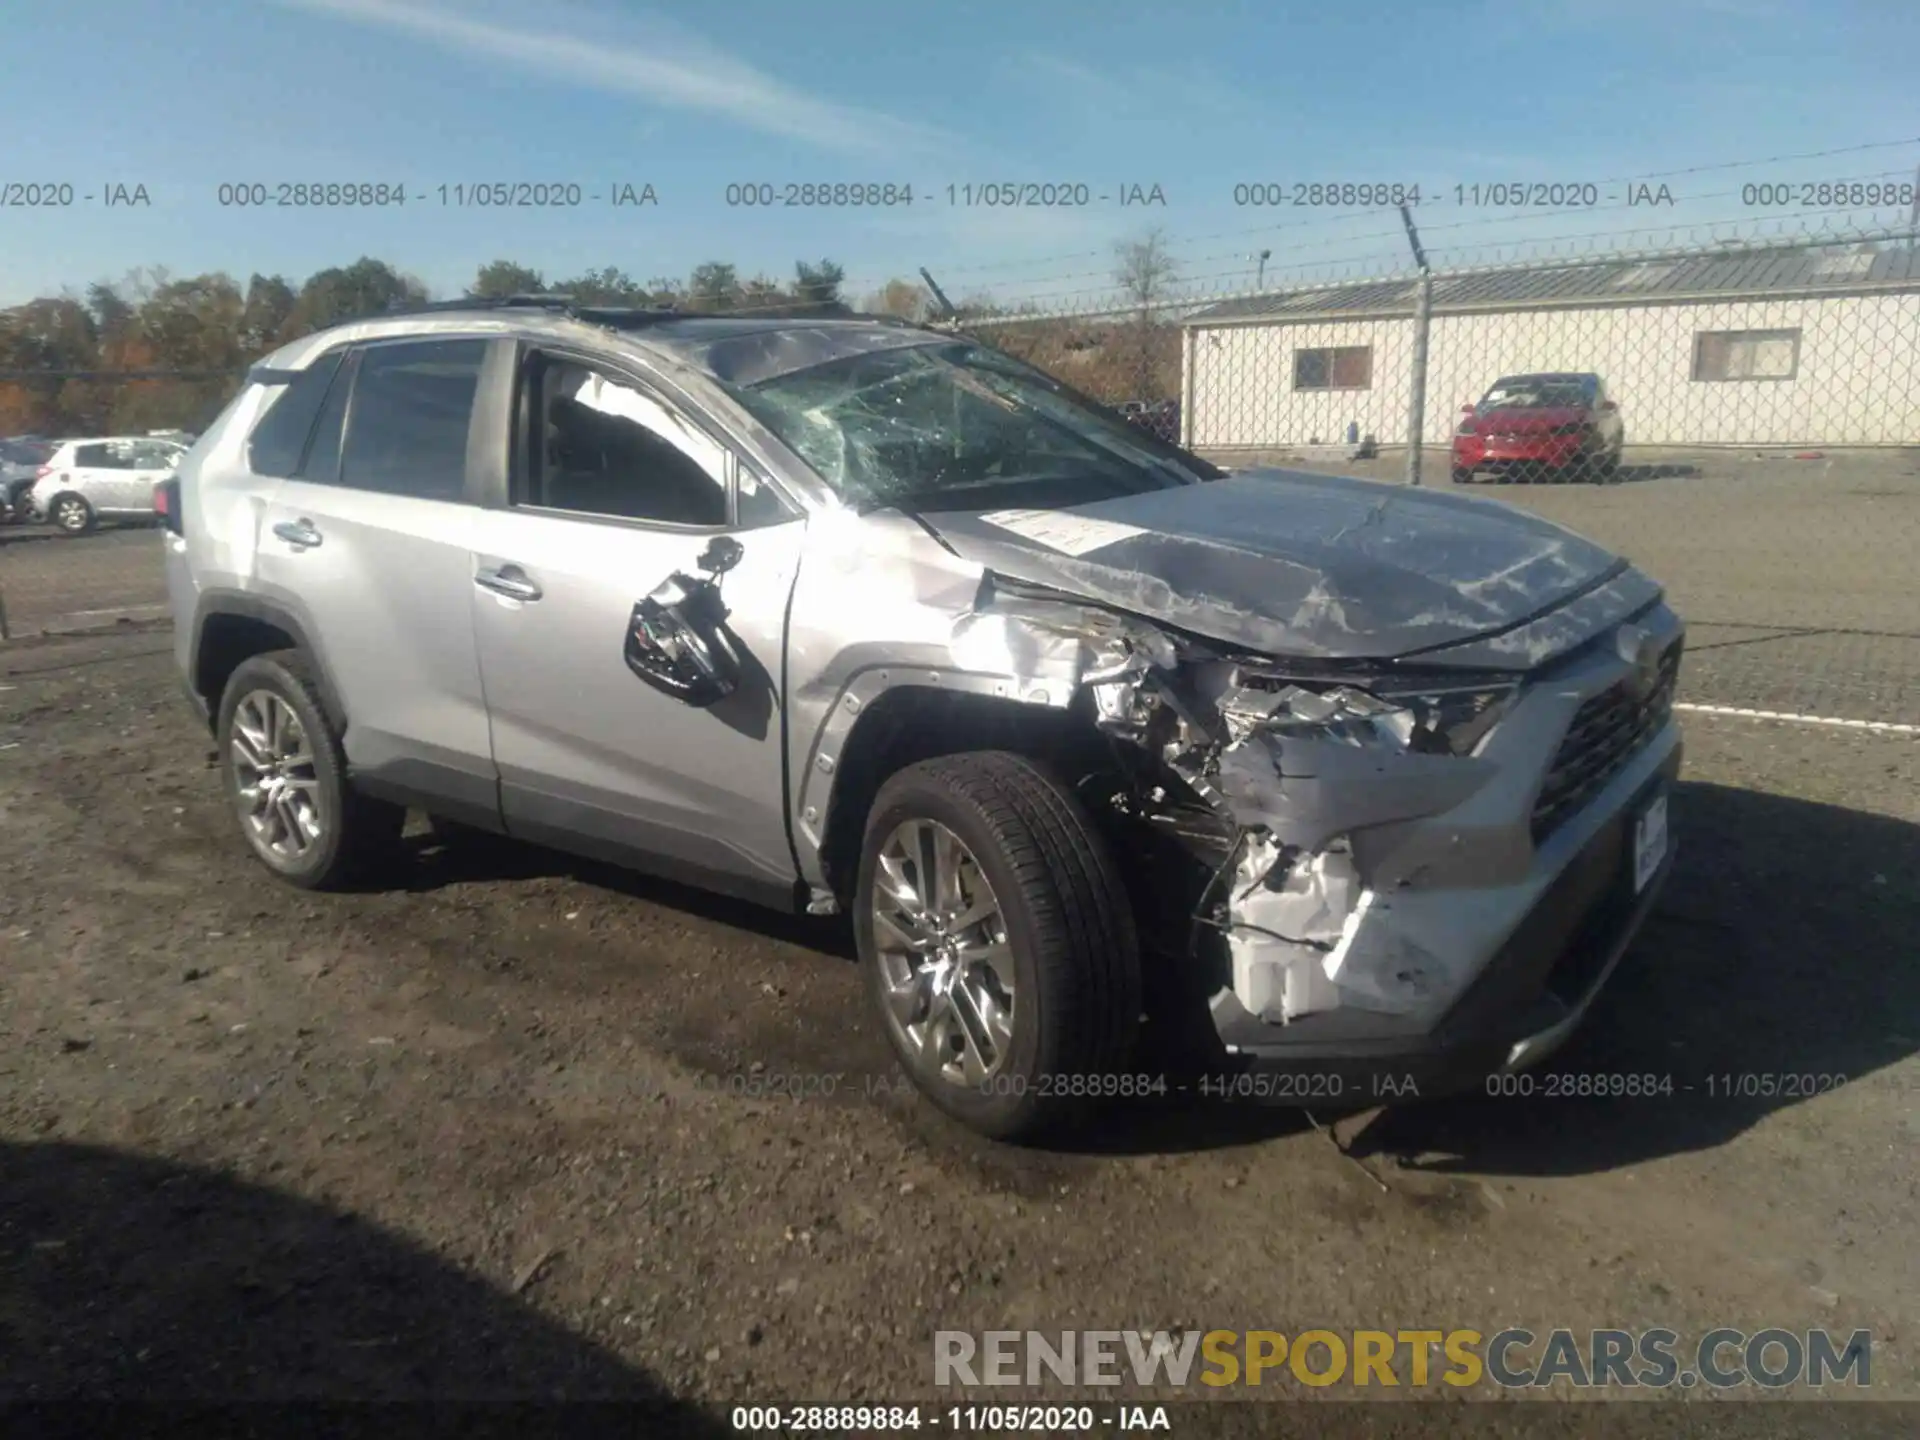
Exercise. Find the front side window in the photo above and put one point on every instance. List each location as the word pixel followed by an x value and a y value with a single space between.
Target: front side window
pixel 155 455
pixel 601 445
pixel 959 426
pixel 407 423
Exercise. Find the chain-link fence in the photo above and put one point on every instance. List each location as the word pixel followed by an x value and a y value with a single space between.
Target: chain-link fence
pixel 1740 416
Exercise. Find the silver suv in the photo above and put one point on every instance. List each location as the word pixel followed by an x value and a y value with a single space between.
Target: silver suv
pixel 1363 785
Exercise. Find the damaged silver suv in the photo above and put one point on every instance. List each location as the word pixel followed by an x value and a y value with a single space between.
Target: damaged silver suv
pixel 1092 740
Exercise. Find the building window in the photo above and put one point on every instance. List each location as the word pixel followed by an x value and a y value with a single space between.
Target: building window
pixel 1746 354
pixel 1346 367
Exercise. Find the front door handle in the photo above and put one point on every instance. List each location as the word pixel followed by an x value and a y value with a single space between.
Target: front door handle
pixel 508 580
pixel 298 532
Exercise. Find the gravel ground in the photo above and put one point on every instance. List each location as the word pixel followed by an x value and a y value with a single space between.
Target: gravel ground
pixel 486 1128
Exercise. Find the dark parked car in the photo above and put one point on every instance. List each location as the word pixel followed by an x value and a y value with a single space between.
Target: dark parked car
pixel 1561 425
pixel 20 462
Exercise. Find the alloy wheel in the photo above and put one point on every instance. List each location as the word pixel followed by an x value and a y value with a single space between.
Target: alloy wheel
pixel 946 964
pixel 70 514
pixel 276 783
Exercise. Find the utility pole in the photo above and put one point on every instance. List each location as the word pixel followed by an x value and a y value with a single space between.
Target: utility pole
pixel 1417 379
pixel 1260 275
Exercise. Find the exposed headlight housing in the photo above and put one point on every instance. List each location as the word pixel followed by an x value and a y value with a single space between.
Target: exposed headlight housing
pixel 1440 717
pixel 1456 719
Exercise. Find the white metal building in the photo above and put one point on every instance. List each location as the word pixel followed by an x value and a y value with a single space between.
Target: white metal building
pixel 1762 348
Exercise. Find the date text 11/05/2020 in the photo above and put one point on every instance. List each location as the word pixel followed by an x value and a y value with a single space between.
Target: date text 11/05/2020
pixel 1499 195
pixel 1299 1087
pixel 987 195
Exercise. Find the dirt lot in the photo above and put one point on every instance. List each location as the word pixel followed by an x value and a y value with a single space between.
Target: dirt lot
pixel 484 1129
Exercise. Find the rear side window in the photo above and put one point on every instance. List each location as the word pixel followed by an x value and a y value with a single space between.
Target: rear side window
pixel 280 439
pixel 94 457
pixel 322 465
pixel 406 430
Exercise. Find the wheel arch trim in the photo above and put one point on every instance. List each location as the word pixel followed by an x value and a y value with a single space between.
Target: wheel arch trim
pixel 818 789
pixel 239 604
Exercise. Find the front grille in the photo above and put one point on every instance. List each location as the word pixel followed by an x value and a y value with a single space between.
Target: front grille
pixel 1607 731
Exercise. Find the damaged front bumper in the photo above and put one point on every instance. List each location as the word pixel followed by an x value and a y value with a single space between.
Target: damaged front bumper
pixel 1501 917
pixel 1535 954
pixel 1420 875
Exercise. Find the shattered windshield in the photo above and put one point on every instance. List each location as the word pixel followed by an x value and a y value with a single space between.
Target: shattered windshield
pixel 1534 392
pixel 958 427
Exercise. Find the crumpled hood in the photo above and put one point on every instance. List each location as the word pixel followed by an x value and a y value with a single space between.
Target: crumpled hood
pixel 1286 562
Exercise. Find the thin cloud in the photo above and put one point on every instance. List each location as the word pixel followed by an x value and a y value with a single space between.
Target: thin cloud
pixel 1144 89
pixel 672 68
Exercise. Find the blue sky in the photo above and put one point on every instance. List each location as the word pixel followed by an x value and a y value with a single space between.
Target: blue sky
pixel 689 98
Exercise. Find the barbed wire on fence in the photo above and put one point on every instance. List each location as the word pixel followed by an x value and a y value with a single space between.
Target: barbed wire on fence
pixel 1246 232
pixel 1108 302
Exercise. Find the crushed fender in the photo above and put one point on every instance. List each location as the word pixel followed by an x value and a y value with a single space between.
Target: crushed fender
pixel 1290 769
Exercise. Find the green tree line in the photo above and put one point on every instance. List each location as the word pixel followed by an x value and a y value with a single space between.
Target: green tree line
pixel 154 352
pixel 157 352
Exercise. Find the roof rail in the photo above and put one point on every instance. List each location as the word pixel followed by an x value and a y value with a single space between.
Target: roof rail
pixel 556 304
pixel 625 316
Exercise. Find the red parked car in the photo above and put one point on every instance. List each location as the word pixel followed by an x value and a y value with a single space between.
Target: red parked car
pixel 1562 425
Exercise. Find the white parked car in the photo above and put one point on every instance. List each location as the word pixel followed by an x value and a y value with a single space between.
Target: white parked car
pixel 107 478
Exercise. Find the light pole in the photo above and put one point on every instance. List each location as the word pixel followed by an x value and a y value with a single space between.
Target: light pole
pixel 1260 275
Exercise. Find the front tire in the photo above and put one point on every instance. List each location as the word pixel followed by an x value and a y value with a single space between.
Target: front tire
pixel 1460 476
pixel 72 515
pixel 998 943
pixel 285 775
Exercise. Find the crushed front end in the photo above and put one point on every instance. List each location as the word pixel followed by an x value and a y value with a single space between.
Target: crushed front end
pixel 1420 872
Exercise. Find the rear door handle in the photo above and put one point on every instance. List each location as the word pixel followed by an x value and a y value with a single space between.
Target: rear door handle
pixel 508 580
pixel 298 532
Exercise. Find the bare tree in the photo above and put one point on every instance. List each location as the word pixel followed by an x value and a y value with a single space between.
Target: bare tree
pixel 1146 272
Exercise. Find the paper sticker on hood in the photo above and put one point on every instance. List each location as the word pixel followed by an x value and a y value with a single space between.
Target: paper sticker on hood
pixel 1062 530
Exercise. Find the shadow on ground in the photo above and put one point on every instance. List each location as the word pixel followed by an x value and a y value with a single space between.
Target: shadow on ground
pixel 1773 966
pixel 126 1277
pixel 1768 971
pixel 460 856
pixel 1162 1124
pixel 1625 474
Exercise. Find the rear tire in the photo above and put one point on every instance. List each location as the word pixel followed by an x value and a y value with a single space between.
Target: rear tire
pixel 285 775
pixel 1056 963
pixel 1461 477
pixel 71 515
